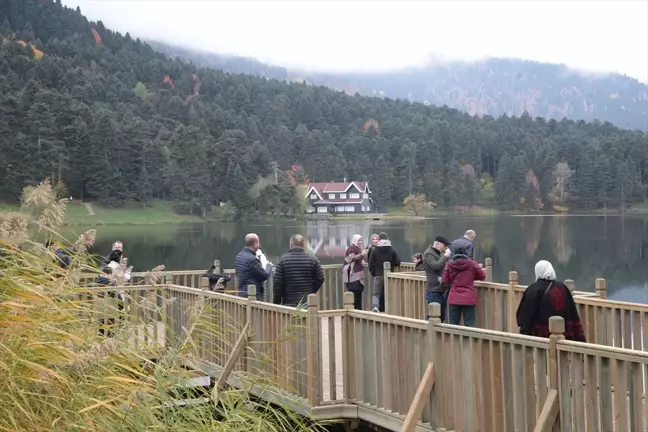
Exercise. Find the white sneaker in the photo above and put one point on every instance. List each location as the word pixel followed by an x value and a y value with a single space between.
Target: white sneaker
pixel 375 310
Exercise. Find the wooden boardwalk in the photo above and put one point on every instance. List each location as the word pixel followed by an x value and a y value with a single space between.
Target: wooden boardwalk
pixel 485 379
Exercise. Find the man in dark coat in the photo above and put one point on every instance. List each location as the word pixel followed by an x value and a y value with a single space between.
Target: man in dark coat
pixel 249 270
pixel 435 258
pixel 382 253
pixel 297 275
pixel 465 242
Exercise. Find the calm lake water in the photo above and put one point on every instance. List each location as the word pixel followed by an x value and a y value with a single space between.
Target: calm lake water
pixel 580 247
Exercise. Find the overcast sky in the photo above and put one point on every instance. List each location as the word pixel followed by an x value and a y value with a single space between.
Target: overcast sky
pixel 344 35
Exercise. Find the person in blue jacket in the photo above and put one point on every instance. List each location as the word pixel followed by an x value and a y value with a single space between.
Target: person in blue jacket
pixel 251 267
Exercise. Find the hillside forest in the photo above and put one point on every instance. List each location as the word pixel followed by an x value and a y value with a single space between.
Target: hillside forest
pixel 109 119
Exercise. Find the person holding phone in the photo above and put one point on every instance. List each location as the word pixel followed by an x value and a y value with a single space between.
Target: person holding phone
pixel 434 261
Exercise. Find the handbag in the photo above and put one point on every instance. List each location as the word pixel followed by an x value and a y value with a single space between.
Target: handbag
pixel 447 287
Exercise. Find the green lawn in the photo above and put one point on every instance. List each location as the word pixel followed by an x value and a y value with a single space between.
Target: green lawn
pixel 132 214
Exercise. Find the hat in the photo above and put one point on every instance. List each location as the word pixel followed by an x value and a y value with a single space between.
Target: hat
pixel 443 240
pixel 460 251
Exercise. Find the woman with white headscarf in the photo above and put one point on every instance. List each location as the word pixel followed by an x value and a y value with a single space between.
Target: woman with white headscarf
pixel 353 270
pixel 544 298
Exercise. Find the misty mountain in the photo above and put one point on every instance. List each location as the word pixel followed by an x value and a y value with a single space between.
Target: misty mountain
pixel 228 63
pixel 489 87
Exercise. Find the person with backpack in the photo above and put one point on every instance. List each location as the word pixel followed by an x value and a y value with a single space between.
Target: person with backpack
pixel 544 298
pixel 460 275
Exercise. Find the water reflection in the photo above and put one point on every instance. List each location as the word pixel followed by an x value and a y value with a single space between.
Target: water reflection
pixel 580 247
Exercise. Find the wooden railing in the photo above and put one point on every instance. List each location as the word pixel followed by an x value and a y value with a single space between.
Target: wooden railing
pixel 330 295
pixel 393 371
pixel 606 322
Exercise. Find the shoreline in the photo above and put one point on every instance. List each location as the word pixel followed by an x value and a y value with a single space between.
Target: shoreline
pixel 161 213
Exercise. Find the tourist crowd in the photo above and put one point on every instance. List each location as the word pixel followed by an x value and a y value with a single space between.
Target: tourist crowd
pixel 449 267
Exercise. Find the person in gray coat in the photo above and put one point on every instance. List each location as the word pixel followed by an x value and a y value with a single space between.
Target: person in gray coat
pixel 434 260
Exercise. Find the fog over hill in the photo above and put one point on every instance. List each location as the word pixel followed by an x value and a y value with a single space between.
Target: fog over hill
pixel 484 87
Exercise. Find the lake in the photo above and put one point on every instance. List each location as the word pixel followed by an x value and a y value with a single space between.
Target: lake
pixel 580 247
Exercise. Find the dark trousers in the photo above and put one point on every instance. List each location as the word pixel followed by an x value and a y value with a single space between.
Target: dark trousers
pixel 455 312
pixel 437 297
pixel 356 288
pixel 106 327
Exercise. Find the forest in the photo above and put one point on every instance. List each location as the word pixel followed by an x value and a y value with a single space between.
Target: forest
pixel 110 120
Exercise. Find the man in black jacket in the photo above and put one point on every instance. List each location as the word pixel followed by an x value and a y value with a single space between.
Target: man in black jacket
pixel 297 274
pixel 382 253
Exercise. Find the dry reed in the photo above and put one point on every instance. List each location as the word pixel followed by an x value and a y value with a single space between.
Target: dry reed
pixel 59 372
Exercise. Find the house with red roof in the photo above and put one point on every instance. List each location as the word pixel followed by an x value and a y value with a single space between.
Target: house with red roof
pixel 339 197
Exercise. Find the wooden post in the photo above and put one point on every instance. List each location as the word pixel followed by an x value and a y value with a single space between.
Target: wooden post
pixel 557 332
pixel 420 399
pixel 249 358
pixel 346 347
pixel 169 311
pixel 251 293
pixel 388 296
pixel 512 306
pixel 569 283
pixel 549 416
pixel 435 358
pixel 488 263
pixel 601 288
pixel 313 354
pixel 204 284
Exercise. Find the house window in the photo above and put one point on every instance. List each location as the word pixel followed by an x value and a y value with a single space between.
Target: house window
pixel 339 209
pixel 331 196
pixel 311 210
pixel 321 209
pixel 313 196
pixel 343 196
pixel 350 209
pixel 354 196
pixel 365 196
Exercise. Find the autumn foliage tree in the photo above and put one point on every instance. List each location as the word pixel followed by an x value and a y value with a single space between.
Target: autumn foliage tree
pixel 419 205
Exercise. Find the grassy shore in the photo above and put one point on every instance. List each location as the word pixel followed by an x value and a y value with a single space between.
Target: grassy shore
pixel 159 212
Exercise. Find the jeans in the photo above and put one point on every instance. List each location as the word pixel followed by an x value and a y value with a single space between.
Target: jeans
pixel 378 299
pixel 436 297
pixel 455 312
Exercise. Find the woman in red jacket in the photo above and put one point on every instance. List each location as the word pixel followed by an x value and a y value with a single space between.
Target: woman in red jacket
pixel 460 275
